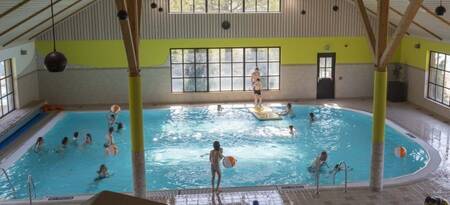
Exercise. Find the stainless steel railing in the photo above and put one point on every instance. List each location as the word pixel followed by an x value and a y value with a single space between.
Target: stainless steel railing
pixel 341 166
pixel 31 189
pixel 9 181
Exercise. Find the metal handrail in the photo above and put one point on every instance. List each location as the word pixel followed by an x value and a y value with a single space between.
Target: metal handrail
pixel 9 181
pixel 31 187
pixel 339 168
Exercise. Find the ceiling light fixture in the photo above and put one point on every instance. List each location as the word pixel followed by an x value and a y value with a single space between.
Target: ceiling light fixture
pixel 55 61
pixel 440 10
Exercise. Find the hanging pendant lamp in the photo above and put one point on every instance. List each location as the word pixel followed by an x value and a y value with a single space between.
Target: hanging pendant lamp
pixel 55 61
pixel 440 10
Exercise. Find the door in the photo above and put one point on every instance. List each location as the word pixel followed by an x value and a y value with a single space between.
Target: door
pixel 325 75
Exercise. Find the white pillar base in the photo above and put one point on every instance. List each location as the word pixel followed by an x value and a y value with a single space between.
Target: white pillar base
pixel 377 167
pixel 139 183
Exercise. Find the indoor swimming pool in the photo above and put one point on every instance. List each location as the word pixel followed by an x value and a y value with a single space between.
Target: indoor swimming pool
pixel 178 140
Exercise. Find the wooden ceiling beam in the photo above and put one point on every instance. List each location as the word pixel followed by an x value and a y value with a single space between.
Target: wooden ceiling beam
pixel 14 8
pixel 369 31
pixel 390 23
pixel 128 34
pixel 418 25
pixel 28 18
pixel 407 19
pixel 382 32
pixel 436 16
pixel 42 22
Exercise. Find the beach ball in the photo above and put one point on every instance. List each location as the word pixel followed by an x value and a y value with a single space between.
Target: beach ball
pixel 229 162
pixel 115 108
pixel 400 151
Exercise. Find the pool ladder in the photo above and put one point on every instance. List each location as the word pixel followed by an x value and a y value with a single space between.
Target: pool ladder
pixel 9 181
pixel 341 166
pixel 31 189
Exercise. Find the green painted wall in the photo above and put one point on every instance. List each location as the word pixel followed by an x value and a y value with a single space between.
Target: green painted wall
pixel 111 54
pixel 419 57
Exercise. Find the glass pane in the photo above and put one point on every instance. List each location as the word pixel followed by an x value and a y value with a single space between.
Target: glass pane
pixel 3 87
pixel 262 6
pixel 441 61
pixel 238 83
pixel 439 93
pixel 200 70
pixel 225 6
pixel 214 84
pixel 322 62
pixel 214 70
pixel 262 69
pixel 250 5
pixel 250 54
pixel 225 55
pixel 433 59
pixel 440 77
pixel 274 83
pixel 11 102
pixel 432 76
pixel 249 68
pixel 177 85
pixel 238 69
pixel 175 6
pixel 446 96
pixel 189 70
pixel 274 69
pixel 1 108
pixel 213 6
pixel 248 84
pixel 200 56
pixel 262 54
pixel 214 56
pixel 431 91
pixel 2 69
pixel 447 80
pixel 236 6
pixel 447 63
pixel 274 54
pixel 177 56
pixel 9 85
pixel 5 105
pixel 274 5
pixel 177 70
pixel 189 84
pixel 329 62
pixel 202 84
pixel 187 6
pixel 200 6
pixel 264 82
pixel 188 56
pixel 225 69
pixel 238 55
pixel 225 84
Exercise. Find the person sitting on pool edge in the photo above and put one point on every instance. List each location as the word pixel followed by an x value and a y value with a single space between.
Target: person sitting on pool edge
pixel 38 145
pixel 319 162
pixel 102 173
pixel 288 111
pixel 215 156
pixel 312 117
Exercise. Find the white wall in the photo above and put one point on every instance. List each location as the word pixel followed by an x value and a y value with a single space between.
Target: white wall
pixel 25 72
pixel 105 86
pixel 416 92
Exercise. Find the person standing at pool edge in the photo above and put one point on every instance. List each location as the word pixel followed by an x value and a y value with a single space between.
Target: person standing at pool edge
pixel 255 75
pixel 215 156
pixel 257 92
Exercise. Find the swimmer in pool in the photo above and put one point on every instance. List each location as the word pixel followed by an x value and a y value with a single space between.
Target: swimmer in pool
pixel 102 173
pixel 291 130
pixel 288 111
pixel 109 136
pixel 64 144
pixel 219 108
pixel 119 126
pixel 75 137
pixel 319 162
pixel 88 139
pixel 111 150
pixel 312 117
pixel 215 156
pixel 112 119
pixel 38 145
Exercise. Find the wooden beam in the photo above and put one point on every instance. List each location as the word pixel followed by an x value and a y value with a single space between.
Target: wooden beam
pixel 56 23
pixel 406 21
pixel 390 23
pixel 42 22
pixel 366 21
pixel 134 20
pixel 28 18
pixel 127 34
pixel 436 16
pixel 13 8
pixel 382 31
pixel 418 25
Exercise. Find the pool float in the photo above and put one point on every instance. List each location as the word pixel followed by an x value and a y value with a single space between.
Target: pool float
pixel 264 113
pixel 115 109
pixel 400 151
pixel 229 162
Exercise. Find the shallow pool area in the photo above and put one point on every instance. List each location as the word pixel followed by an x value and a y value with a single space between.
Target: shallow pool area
pixel 177 140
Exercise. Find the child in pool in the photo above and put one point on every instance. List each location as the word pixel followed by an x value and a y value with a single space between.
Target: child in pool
pixel 312 117
pixel 291 130
pixel 215 156
pixel 319 162
pixel 102 173
pixel 38 145
pixel 88 139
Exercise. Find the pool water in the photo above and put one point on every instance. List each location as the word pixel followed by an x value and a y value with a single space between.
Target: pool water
pixel 177 139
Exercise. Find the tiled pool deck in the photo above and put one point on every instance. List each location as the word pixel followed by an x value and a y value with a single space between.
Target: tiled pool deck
pixel 432 129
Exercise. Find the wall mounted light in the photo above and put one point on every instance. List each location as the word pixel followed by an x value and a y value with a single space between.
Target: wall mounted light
pixel 417 45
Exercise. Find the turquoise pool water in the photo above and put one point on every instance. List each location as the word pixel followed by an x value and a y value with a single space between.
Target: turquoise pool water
pixel 177 137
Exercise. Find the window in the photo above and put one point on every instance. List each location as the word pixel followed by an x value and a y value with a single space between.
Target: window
pixel 6 88
pixel 224 6
pixel 439 78
pixel 223 69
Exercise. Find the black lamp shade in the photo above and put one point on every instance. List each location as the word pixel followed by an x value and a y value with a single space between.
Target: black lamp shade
pixel 440 10
pixel 55 62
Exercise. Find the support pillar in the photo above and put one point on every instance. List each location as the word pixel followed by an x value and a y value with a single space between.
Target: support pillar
pixel 379 116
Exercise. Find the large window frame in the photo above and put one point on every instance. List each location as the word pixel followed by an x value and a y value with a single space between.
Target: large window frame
pixel 7 101
pixel 217 79
pixel 438 83
pixel 232 6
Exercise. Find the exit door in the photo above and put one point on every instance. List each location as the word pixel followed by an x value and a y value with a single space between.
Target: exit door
pixel 325 75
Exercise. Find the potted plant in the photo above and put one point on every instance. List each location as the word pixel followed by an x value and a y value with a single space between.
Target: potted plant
pixel 397 86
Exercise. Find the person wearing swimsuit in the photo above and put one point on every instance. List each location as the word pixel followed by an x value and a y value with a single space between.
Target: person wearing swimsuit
pixel 257 86
pixel 215 156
